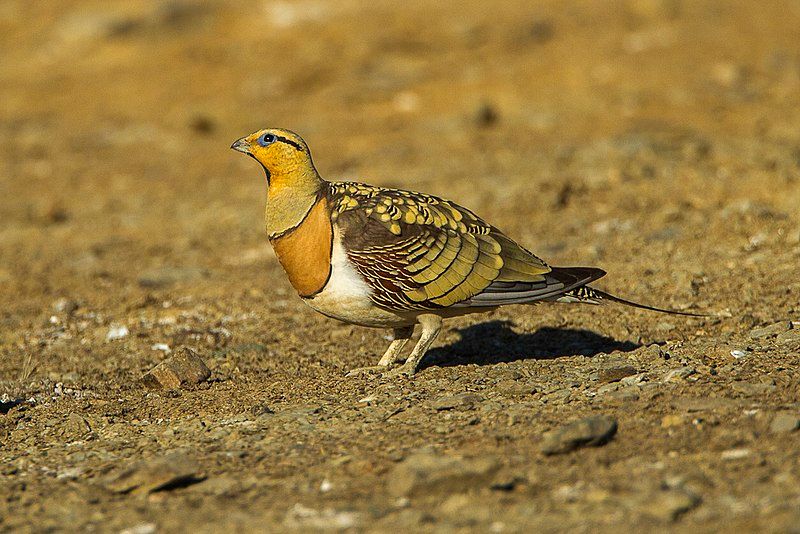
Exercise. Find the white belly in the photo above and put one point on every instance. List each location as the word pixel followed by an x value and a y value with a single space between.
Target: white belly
pixel 346 296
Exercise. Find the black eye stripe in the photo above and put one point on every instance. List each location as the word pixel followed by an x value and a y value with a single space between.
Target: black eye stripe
pixel 289 142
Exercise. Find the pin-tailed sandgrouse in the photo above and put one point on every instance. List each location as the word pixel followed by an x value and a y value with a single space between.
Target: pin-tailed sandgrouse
pixel 388 258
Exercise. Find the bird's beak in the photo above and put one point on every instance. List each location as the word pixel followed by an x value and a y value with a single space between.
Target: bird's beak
pixel 241 145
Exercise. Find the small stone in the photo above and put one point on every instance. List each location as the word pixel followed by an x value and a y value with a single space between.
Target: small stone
pixel 67 306
pixel 669 505
pixel 427 473
pixel 185 368
pixel 616 373
pixel 141 528
pixel 219 486
pixel 783 423
pixel 75 428
pixel 450 402
pixel 624 395
pixel 738 353
pixel 117 332
pixel 159 474
pixel 70 473
pixel 650 353
pixel 590 431
pixel 752 388
pixel 559 396
pixel 772 330
pixel 309 519
pixel 703 404
pixel 790 337
pixel 734 454
pixel 486 115
pixel 634 380
pixel 679 374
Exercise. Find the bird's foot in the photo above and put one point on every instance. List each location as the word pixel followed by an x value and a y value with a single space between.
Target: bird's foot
pixel 404 370
pixel 370 370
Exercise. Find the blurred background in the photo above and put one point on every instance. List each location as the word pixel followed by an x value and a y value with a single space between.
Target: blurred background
pixel 584 129
pixel 658 139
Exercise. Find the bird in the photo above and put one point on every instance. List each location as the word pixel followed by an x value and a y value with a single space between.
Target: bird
pixel 393 259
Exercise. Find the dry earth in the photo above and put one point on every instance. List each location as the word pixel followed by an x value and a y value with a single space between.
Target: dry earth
pixel 657 139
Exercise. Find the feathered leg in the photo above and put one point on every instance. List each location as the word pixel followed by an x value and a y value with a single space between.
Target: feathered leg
pixel 431 326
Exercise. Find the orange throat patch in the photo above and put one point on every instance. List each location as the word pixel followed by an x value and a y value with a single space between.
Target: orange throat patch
pixel 305 251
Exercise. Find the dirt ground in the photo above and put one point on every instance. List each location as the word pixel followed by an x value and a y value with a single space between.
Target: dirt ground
pixel 657 139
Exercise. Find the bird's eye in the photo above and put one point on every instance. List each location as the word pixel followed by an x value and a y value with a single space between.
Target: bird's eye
pixel 266 139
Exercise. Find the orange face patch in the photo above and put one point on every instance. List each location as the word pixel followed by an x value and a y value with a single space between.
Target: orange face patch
pixel 305 252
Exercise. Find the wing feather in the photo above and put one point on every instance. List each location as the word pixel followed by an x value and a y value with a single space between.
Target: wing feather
pixel 420 252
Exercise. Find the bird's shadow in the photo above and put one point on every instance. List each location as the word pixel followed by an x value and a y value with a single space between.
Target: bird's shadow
pixel 494 342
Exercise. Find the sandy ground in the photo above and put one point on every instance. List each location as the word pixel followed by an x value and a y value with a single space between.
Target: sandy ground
pixel 657 139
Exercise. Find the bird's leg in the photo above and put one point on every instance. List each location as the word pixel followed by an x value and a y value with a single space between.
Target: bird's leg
pixel 392 354
pixel 431 325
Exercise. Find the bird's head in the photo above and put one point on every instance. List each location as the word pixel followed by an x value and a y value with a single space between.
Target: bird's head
pixel 282 153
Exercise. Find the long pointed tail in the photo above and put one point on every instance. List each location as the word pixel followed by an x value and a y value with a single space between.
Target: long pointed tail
pixel 591 295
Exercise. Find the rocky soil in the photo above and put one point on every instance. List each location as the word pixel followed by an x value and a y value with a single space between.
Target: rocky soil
pixel 657 139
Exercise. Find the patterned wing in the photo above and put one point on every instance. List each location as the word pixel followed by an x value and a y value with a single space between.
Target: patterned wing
pixel 422 252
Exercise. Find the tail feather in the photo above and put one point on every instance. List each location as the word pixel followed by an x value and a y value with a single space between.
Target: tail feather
pixel 590 295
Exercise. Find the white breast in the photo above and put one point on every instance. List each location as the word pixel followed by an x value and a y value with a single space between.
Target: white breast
pixel 346 296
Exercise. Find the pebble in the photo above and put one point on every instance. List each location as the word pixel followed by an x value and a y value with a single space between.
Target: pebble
pixel 789 337
pixel 185 368
pixel 624 395
pixel 67 306
pixel 752 388
pixel 667 506
pixel 75 428
pixel 305 518
pixel 486 115
pixel 117 332
pixel 591 431
pixel 450 402
pixel 156 474
pixel 219 486
pixel 616 373
pixel 703 404
pixel 738 353
pixel 650 353
pixel 679 374
pixel 634 380
pixel 783 423
pixel 734 454
pixel 141 528
pixel 772 330
pixel 426 473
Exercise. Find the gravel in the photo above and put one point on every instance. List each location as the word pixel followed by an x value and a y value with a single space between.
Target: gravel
pixel 588 432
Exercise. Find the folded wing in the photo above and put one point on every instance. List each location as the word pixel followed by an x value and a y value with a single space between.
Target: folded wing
pixel 420 252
